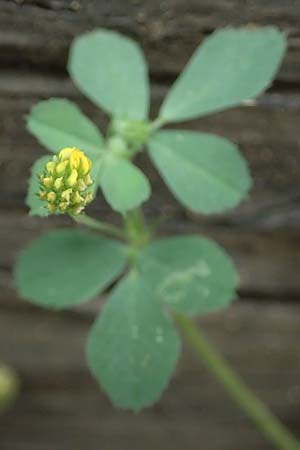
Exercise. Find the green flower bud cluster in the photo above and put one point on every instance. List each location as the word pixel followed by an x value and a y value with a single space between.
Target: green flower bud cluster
pixel 134 133
pixel 65 182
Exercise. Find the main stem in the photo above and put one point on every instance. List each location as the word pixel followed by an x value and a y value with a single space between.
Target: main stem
pixel 137 231
pixel 269 425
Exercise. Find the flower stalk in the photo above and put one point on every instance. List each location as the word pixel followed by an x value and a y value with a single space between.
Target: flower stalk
pixel 95 224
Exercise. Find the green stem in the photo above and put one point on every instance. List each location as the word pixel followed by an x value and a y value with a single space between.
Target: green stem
pixel 157 123
pixel 269 425
pixel 100 226
pixel 137 232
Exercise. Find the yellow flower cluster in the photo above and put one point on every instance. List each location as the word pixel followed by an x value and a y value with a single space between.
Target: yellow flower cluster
pixel 65 181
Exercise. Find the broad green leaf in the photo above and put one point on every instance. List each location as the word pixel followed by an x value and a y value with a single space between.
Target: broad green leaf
pixel 36 206
pixel 124 185
pixel 133 347
pixel 64 268
pixel 232 65
pixel 205 172
pixel 111 71
pixel 59 123
pixel 191 274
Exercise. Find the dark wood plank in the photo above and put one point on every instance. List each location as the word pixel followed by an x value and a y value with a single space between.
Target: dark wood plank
pixel 61 407
pixel 38 32
pixel 267 134
pixel 267 261
pixel 34 40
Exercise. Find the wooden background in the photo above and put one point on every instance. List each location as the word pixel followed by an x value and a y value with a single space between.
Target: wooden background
pixel 60 406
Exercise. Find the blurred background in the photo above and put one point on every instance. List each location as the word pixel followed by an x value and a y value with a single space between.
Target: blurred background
pixel 59 406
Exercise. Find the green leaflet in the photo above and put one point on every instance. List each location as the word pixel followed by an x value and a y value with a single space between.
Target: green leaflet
pixel 232 65
pixel 133 346
pixel 124 185
pixel 111 71
pixel 191 274
pixel 205 172
pixel 59 123
pixel 36 206
pixel 64 268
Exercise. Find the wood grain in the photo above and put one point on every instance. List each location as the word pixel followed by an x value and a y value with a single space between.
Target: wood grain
pixel 267 261
pixel 268 135
pixel 61 407
pixel 34 41
pixel 38 32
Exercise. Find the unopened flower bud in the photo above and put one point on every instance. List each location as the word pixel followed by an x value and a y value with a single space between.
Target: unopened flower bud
pixel 51 167
pixel 61 167
pixel 43 195
pixel 47 182
pixel 51 208
pixel 63 206
pixel 51 196
pixel 58 183
pixel 88 180
pixel 72 179
pixel 88 198
pixel 65 181
pixel 66 194
pixel 77 198
pixel 82 185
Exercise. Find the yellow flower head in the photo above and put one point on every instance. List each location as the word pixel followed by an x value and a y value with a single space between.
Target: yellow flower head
pixel 65 182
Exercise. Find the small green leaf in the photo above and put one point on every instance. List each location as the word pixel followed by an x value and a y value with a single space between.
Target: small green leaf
pixel 64 268
pixel 59 123
pixel 133 347
pixel 124 185
pixel 205 172
pixel 191 274
pixel 36 206
pixel 231 66
pixel 111 71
